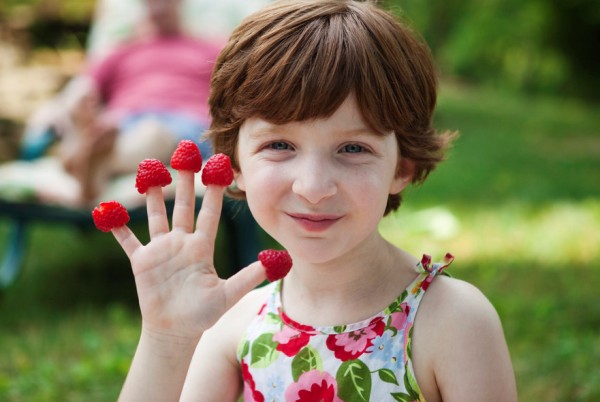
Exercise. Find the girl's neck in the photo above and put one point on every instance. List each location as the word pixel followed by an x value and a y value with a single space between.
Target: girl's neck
pixel 350 289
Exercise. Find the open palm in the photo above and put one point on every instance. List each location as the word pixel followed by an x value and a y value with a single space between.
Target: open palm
pixel 178 287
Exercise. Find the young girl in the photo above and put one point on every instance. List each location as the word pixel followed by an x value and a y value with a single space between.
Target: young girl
pixel 325 108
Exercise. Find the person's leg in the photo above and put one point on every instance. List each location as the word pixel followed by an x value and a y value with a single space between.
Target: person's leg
pixel 98 152
pixel 147 138
pixel 155 134
pixel 185 127
pixel 85 147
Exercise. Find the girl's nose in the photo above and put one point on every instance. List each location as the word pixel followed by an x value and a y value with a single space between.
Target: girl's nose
pixel 314 180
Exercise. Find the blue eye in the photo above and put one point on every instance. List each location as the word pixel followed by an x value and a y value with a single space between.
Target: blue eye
pixel 279 146
pixel 353 148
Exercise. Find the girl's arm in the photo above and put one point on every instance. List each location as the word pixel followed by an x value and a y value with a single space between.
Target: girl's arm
pixel 459 346
pixel 179 292
pixel 220 380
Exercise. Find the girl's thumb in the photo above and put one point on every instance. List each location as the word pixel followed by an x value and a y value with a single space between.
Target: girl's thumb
pixel 243 282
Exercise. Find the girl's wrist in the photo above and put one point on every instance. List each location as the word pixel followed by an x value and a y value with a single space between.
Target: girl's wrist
pixel 159 367
pixel 167 345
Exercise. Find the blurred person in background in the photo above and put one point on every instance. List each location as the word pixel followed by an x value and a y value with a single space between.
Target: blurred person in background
pixel 137 101
pixel 144 87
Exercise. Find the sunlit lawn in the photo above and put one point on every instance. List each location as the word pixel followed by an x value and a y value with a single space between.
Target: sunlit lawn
pixel 517 203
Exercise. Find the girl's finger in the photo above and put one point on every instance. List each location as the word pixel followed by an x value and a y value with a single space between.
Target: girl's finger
pixel 125 237
pixel 243 282
pixel 185 199
pixel 158 223
pixel 210 213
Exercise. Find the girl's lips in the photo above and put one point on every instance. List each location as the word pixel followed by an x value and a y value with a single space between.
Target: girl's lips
pixel 315 223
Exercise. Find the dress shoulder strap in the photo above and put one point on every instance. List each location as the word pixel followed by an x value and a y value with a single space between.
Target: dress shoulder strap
pixel 428 272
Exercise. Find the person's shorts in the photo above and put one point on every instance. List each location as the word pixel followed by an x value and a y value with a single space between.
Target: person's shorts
pixel 183 126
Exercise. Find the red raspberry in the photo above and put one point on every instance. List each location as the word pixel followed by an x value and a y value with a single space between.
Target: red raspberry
pixel 109 215
pixel 217 171
pixel 277 263
pixel 151 172
pixel 187 157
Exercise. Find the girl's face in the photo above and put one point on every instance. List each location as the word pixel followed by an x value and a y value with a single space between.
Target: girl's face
pixel 319 187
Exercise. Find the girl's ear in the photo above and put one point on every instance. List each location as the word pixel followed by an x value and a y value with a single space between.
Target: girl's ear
pixel 404 175
pixel 239 179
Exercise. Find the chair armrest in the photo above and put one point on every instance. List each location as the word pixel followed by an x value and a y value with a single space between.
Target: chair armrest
pixel 13 256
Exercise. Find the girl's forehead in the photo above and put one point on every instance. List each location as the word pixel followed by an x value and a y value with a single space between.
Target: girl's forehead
pixel 347 119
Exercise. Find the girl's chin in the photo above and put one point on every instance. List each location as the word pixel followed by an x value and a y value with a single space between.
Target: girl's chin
pixel 315 254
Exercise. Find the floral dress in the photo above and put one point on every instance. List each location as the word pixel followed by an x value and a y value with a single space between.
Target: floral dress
pixel 283 360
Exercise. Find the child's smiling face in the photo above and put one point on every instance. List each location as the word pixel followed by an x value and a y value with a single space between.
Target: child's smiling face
pixel 319 187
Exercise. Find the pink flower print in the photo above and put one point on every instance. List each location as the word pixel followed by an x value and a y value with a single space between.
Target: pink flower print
pixel 292 338
pixel 290 341
pixel 313 386
pixel 426 282
pixel 426 262
pixel 350 345
pixel 398 319
pixel 250 391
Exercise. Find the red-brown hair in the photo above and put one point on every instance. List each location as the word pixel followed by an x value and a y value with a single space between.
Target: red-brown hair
pixel 299 60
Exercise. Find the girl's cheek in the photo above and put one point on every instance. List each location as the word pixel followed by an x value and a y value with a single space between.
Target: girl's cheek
pixel 265 180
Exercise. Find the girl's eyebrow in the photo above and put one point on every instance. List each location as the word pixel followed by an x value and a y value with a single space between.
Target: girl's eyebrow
pixel 276 130
pixel 358 131
pixel 266 128
pixel 362 131
pixel 262 131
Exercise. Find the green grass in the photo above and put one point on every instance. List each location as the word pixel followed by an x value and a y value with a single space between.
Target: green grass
pixel 528 150
pixel 517 203
pixel 538 266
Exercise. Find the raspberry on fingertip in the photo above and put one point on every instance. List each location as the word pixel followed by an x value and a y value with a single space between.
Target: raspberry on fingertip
pixel 187 156
pixel 217 171
pixel 109 215
pixel 277 263
pixel 151 173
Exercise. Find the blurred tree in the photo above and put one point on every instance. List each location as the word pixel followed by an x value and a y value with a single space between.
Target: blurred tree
pixel 576 33
pixel 534 46
pixel 53 24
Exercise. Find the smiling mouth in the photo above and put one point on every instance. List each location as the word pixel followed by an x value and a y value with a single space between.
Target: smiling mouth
pixel 315 223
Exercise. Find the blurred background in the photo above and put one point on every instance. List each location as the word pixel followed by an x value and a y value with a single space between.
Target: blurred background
pixel 517 202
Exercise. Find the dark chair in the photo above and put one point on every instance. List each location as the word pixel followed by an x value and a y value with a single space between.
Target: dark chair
pixel 241 231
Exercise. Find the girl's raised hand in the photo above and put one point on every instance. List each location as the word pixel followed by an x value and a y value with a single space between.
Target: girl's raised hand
pixel 179 291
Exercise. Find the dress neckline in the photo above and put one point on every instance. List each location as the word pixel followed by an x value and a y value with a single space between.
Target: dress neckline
pixel 394 306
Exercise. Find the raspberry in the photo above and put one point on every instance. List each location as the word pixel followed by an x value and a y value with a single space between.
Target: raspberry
pixel 151 172
pixel 217 171
pixel 277 263
pixel 187 157
pixel 109 215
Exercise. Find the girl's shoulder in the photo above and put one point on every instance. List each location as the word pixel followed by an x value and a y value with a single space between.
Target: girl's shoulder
pixel 452 307
pixel 445 298
pixel 456 327
pixel 450 298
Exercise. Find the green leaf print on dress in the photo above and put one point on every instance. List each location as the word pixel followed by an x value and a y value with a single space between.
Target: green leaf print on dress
pixel 410 383
pixel 264 351
pixel 370 360
pixel 306 360
pixel 387 375
pixel 354 381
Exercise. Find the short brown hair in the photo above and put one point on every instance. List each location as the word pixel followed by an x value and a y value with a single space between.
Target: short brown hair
pixel 299 60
